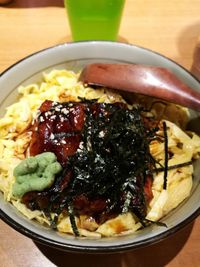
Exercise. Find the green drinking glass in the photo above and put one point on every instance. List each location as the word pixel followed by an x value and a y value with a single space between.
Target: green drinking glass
pixel 94 19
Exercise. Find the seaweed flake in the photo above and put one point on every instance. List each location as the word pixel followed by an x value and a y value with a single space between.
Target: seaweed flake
pixel 73 220
pixel 166 155
pixel 176 166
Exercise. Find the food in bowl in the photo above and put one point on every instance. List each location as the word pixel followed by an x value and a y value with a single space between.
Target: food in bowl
pixel 85 162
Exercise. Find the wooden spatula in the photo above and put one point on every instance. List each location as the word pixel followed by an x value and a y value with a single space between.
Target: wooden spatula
pixel 147 80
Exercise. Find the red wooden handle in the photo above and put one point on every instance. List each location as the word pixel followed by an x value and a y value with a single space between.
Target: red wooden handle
pixel 147 80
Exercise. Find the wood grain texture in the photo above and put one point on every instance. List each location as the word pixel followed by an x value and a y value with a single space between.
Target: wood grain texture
pixel 168 27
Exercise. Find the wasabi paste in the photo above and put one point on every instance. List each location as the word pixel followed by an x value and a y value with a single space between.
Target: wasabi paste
pixel 35 173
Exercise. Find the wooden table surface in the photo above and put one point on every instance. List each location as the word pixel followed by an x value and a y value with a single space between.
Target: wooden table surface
pixel 170 27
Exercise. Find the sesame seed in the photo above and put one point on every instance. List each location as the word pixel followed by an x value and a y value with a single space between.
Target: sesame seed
pixel 54 103
pixel 57 109
pixel 81 145
pixel 101 134
pixel 52 136
pixel 65 111
pixel 47 113
pixel 53 117
pixel 41 119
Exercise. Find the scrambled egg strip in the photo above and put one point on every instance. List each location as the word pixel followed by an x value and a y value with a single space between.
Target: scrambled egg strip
pixel 62 85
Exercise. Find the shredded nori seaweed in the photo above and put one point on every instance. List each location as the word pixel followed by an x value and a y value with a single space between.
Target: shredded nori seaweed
pixel 166 155
pixel 176 166
pixel 112 161
pixel 73 220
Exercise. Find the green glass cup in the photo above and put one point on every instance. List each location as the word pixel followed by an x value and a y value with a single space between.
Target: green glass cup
pixel 94 19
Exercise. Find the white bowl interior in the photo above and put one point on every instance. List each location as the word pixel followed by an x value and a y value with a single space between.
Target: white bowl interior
pixel 74 56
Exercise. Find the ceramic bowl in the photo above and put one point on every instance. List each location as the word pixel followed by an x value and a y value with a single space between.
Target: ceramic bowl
pixel 74 56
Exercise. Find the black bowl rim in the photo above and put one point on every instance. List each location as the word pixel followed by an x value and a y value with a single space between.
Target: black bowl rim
pixel 96 249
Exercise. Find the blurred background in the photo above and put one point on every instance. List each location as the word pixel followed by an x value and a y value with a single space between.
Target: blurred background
pixel 168 27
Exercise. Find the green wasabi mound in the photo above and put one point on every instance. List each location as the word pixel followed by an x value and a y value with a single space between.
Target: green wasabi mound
pixel 35 173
